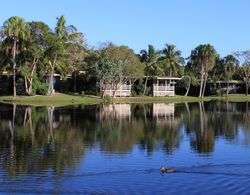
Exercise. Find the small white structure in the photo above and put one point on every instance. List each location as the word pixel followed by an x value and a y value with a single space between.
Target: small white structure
pixel 232 85
pixel 123 90
pixel 164 86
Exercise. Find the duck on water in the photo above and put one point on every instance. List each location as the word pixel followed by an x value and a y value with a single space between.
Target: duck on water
pixel 167 170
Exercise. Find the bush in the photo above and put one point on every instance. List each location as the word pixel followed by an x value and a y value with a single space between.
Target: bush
pixel 221 92
pixel 42 89
pixel 39 87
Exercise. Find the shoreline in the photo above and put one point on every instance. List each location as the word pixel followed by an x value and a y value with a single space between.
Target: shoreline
pixel 60 99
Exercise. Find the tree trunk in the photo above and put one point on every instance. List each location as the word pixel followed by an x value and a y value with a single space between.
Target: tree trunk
pixel 115 89
pixel 75 82
pixel 145 86
pixel 188 88
pixel 14 68
pixel 201 86
pixel 30 86
pixel 227 88
pixel 204 87
pixel 26 85
pixel 246 86
pixel 30 80
pixel 51 84
pixel 104 91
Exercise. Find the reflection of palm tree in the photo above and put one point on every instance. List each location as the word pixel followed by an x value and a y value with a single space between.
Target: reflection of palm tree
pixel 204 142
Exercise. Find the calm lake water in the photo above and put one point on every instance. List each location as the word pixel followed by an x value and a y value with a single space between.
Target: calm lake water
pixel 119 149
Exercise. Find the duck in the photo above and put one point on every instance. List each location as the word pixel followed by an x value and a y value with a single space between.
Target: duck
pixel 167 170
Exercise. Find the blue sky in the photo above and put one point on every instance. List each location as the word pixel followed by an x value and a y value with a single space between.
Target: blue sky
pixel 137 23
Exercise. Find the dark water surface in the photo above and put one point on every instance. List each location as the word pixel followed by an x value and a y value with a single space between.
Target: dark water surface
pixel 118 149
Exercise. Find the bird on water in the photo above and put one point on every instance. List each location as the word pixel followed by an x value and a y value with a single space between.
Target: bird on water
pixel 167 170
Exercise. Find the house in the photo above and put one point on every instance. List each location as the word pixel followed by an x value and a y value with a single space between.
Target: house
pixel 164 86
pixel 232 85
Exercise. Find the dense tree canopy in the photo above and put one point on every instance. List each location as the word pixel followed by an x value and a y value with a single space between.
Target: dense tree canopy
pixel 36 52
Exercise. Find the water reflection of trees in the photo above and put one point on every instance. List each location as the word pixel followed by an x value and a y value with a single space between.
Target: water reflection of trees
pixel 205 122
pixel 41 138
pixel 32 143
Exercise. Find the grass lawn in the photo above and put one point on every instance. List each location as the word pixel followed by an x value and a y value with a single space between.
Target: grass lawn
pixel 60 99
pixel 232 98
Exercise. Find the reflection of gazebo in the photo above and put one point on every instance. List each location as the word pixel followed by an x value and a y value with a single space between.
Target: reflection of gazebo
pixel 164 113
pixel 164 86
pixel 115 111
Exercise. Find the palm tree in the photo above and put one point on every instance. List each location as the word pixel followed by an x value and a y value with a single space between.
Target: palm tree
pixel 203 58
pixel 230 63
pixel 62 36
pixel 173 59
pixel 149 58
pixel 15 29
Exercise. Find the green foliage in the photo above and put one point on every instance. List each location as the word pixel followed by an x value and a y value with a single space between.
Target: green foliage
pixel 108 72
pixel 131 66
pixel 39 87
pixel 172 60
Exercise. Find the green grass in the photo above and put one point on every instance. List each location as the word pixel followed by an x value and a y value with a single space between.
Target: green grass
pixel 232 98
pixel 57 99
pixel 60 99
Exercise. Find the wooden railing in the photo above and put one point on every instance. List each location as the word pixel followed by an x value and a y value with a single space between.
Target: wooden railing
pixel 120 87
pixel 163 88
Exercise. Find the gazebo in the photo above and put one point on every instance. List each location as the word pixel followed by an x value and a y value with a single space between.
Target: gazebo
pixel 164 86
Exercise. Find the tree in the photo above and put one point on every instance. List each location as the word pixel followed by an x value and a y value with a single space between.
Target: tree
pixel 149 58
pixel 203 59
pixel 132 68
pixel 244 59
pixel 15 30
pixel 109 73
pixel 173 60
pixel 230 63
pixel 63 35
pixel 35 50
pixel 76 53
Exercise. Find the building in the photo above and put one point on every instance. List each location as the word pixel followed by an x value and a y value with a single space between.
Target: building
pixel 232 85
pixel 164 86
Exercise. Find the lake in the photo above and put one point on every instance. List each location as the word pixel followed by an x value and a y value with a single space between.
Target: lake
pixel 119 149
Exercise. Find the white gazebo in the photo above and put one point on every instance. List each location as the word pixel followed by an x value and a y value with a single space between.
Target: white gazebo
pixel 120 90
pixel 164 86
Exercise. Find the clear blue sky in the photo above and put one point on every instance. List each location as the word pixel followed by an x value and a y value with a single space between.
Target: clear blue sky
pixel 137 23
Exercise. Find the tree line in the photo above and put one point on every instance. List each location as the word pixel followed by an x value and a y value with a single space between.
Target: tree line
pixel 36 52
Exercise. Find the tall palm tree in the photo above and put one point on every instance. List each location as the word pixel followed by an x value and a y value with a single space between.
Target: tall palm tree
pixel 203 58
pixel 15 29
pixel 149 58
pixel 173 59
pixel 62 36
pixel 230 63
